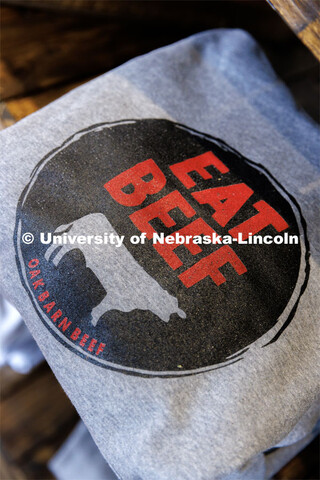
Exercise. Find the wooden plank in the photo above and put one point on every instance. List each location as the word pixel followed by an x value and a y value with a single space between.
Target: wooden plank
pixel 11 381
pixel 36 417
pixel 310 36
pixel 10 471
pixel 303 16
pixel 41 48
pixel 187 12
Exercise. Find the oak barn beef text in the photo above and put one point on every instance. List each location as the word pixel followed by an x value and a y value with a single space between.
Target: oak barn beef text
pixel 63 323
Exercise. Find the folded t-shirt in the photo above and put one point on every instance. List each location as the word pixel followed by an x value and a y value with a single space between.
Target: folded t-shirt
pixel 160 239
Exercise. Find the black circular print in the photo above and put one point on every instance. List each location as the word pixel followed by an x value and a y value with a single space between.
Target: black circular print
pixel 154 249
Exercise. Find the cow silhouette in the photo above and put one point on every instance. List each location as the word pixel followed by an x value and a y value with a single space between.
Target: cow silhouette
pixel 128 286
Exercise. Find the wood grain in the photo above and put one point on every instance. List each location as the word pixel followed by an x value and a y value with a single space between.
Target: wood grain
pixel 10 471
pixel 303 16
pixel 30 64
pixel 310 36
pixel 43 48
pixel 36 417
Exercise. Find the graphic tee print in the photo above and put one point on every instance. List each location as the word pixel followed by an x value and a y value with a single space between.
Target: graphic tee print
pixel 126 301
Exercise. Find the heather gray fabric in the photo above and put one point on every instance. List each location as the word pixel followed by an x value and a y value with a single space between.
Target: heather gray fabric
pixel 210 425
pixel 80 458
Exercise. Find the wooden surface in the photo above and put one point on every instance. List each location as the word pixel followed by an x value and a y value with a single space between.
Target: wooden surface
pixel 36 417
pixel 48 48
pixel 303 16
pixel 70 40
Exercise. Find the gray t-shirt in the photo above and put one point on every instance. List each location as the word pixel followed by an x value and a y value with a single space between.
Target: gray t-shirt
pixel 185 359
